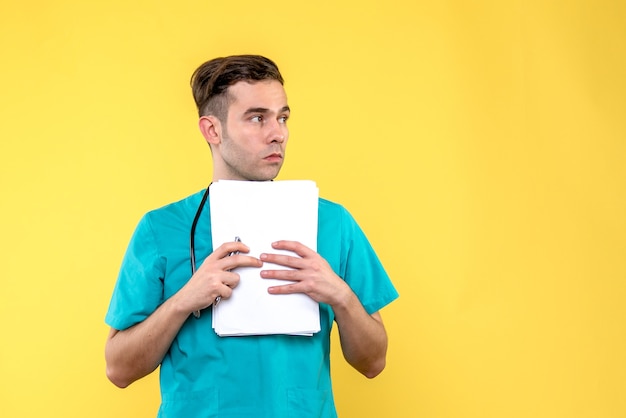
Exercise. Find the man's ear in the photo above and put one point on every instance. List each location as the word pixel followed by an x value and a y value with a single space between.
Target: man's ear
pixel 211 129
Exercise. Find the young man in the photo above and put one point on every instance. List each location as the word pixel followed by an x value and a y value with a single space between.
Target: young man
pixel 158 312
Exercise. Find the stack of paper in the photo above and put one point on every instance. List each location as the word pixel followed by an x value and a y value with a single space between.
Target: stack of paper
pixel 260 213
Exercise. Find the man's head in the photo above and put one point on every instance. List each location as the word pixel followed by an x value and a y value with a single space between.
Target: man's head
pixel 210 82
pixel 243 116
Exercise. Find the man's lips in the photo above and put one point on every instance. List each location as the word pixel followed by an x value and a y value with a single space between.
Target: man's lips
pixel 275 156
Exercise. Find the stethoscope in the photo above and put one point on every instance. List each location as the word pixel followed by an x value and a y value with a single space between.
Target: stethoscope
pixel 192 246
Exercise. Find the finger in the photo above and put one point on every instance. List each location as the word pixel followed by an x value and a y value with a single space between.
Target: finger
pixel 227 248
pixel 225 293
pixel 290 275
pixel 283 260
pixel 293 246
pixel 283 289
pixel 231 280
pixel 240 260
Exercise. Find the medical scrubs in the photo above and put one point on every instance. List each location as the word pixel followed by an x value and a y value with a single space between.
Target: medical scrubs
pixel 204 375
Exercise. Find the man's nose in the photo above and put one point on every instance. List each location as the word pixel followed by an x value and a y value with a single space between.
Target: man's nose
pixel 278 132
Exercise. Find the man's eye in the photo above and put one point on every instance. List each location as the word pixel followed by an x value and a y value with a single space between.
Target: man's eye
pixel 258 118
pixel 283 119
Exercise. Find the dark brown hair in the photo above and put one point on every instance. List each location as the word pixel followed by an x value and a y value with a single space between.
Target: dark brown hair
pixel 210 82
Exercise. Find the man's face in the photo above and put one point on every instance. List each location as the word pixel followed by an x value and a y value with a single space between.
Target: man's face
pixel 254 135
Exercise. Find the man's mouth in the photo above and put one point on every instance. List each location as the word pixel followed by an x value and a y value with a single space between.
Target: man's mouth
pixel 275 156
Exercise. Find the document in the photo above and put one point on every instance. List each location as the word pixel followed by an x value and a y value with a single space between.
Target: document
pixel 260 213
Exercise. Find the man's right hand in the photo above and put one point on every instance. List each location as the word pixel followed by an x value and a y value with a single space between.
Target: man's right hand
pixel 215 278
pixel 137 351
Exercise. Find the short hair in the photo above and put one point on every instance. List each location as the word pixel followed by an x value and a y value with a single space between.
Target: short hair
pixel 211 80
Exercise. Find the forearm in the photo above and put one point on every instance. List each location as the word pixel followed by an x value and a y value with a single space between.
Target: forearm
pixel 137 351
pixel 363 337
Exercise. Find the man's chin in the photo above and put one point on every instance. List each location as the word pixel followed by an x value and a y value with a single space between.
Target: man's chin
pixel 268 177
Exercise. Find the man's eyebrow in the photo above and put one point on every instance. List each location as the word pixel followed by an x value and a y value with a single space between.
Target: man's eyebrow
pixel 265 110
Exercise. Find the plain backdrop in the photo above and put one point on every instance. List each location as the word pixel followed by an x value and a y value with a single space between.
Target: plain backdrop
pixel 480 144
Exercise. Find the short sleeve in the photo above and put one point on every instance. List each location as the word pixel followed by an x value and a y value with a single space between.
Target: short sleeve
pixel 363 270
pixel 139 288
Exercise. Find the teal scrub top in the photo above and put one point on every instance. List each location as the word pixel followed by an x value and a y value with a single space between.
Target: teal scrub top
pixel 272 376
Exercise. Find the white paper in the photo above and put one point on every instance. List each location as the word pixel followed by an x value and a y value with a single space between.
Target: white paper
pixel 261 213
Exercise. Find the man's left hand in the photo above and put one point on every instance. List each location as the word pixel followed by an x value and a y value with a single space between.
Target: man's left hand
pixel 310 273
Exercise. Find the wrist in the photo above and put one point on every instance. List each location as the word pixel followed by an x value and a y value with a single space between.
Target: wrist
pixel 178 306
pixel 345 300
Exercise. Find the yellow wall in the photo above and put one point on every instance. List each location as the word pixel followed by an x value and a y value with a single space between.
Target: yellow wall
pixel 480 144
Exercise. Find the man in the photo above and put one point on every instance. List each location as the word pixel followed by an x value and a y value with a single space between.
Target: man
pixel 243 117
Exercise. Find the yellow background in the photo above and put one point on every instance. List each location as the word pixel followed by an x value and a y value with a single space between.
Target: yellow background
pixel 480 144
